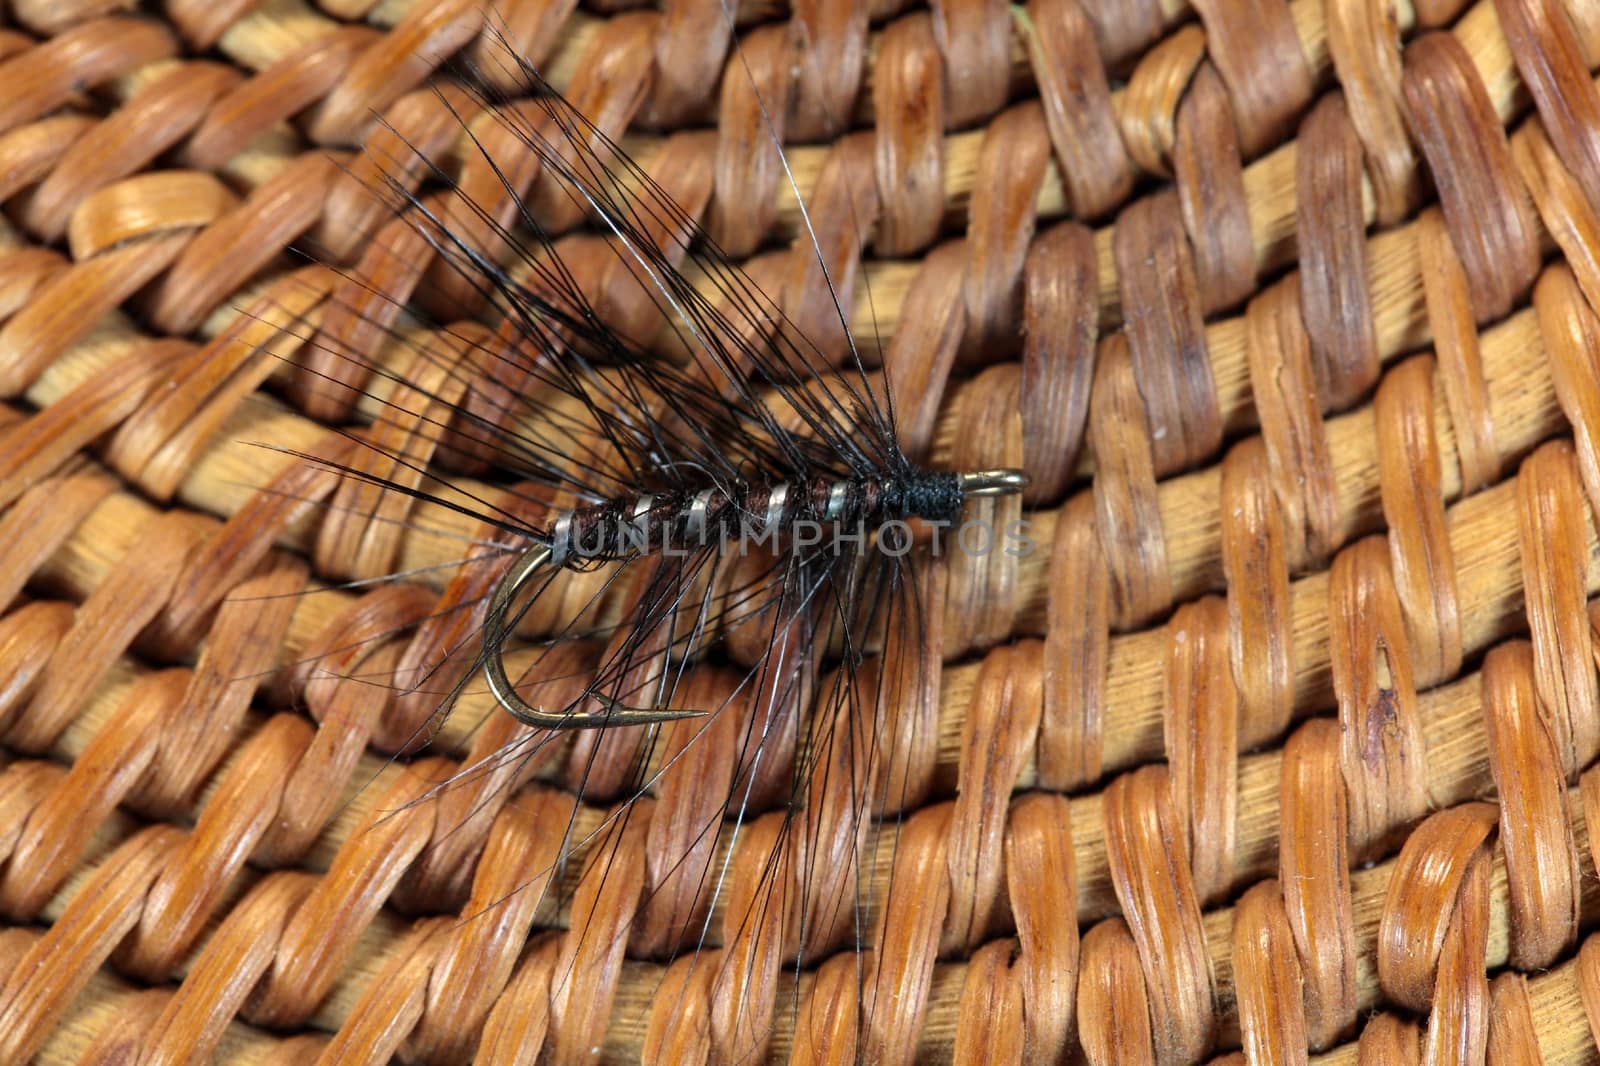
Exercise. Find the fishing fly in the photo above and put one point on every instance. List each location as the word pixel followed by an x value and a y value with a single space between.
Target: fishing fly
pixel 934 497
pixel 717 525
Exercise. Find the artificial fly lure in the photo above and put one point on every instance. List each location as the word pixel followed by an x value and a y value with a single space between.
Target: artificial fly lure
pixel 710 539
pixel 618 527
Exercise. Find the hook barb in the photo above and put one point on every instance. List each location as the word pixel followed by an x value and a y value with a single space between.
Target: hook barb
pixel 495 632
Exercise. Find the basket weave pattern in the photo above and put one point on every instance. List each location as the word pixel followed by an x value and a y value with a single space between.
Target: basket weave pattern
pixel 1281 741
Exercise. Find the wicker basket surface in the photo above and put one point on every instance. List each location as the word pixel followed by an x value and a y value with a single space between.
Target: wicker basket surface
pixel 1282 741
